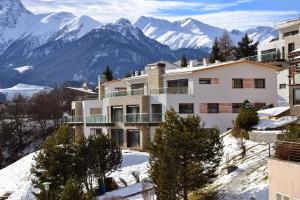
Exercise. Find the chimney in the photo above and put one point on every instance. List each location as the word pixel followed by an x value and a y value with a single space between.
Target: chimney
pixel 205 61
pixel 136 73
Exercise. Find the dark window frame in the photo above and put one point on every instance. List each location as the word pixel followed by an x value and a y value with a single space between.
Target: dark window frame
pixel 282 86
pixel 205 81
pixel 257 85
pixel 213 108
pixel 295 101
pixel 235 83
pixel 236 107
pixel 186 109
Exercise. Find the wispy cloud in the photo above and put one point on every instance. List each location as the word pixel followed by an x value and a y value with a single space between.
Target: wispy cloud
pixel 217 14
pixel 242 19
pixel 110 10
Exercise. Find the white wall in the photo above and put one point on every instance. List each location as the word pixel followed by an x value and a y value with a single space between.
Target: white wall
pixel 283 94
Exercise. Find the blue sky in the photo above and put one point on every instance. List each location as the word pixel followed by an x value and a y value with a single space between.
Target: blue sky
pixel 230 14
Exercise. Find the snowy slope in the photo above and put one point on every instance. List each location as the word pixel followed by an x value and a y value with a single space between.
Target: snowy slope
pixel 190 33
pixel 16 23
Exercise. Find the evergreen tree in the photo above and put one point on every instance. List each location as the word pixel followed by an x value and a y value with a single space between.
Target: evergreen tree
pixel 108 73
pixel 215 52
pixel 226 46
pixel 184 61
pixel 247 118
pixel 73 191
pixel 184 156
pixel 245 48
pixel 104 156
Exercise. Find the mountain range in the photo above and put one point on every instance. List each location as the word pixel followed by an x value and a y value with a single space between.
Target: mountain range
pixel 48 49
pixel 190 33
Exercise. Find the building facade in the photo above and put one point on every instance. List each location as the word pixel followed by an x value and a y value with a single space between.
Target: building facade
pixel 129 110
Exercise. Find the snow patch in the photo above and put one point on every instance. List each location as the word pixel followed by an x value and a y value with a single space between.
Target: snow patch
pixel 23 69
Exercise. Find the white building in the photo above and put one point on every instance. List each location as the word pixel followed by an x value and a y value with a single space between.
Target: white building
pixel 283 87
pixel 129 110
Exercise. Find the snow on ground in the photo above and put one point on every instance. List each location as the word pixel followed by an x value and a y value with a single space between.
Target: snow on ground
pixel 23 69
pixel 250 179
pixel 16 179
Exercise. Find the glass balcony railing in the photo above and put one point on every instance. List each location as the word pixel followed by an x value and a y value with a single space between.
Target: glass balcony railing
pixel 126 93
pixel 87 97
pixel 97 119
pixel 264 58
pixel 170 90
pixel 143 118
pixel 73 119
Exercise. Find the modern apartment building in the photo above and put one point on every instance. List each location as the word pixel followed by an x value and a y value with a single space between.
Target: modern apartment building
pixel 129 110
pixel 288 40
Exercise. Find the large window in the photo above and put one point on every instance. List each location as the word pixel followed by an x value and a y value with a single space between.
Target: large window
pixel 259 83
pixel 204 81
pixel 291 47
pixel 287 34
pixel 133 138
pixel 296 96
pixel 186 108
pixel 117 113
pixel 117 136
pixel 213 108
pixel 236 107
pixel 178 86
pixel 237 83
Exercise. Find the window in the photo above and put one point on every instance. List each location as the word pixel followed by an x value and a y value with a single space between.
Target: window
pixel 278 196
pixel 186 108
pixel 259 83
pixel 283 53
pixel 282 86
pixel 137 86
pixel 259 106
pixel 296 96
pixel 133 138
pixel 178 86
pixel 268 51
pixel 291 47
pixel 287 34
pixel 96 131
pixel 237 83
pixel 117 113
pixel 213 108
pixel 204 81
pixel 236 107
pixel 117 136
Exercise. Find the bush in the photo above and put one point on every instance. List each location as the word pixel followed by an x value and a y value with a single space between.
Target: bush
pixel 247 117
pixel 73 190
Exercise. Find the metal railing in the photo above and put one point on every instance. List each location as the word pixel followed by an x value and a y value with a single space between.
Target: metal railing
pixel 263 58
pixel 170 90
pixel 73 119
pixel 285 150
pixel 133 92
pixel 97 119
pixel 143 118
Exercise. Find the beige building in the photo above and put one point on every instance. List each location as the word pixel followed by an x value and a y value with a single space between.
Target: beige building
pixel 284 172
pixel 129 110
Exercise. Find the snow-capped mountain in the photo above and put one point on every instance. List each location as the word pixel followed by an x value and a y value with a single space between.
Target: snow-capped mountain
pixel 190 33
pixel 17 23
pixel 121 45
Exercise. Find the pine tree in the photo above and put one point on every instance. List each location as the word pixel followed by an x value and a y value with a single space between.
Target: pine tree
pixel 184 156
pixel 73 190
pixel 226 46
pixel 108 73
pixel 184 61
pixel 245 48
pixel 215 53
pixel 104 156
pixel 247 118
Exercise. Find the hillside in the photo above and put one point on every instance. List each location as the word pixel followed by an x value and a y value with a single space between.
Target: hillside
pixel 249 180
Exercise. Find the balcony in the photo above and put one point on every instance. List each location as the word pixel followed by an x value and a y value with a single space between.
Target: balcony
pixel 87 97
pixel 264 58
pixel 170 90
pixel 73 119
pixel 136 92
pixel 143 118
pixel 289 151
pixel 98 120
